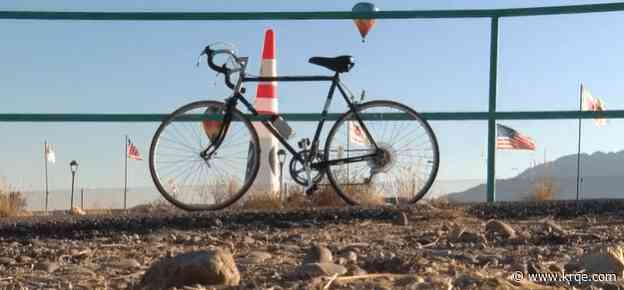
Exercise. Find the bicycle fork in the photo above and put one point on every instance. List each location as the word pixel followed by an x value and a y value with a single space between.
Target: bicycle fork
pixel 207 153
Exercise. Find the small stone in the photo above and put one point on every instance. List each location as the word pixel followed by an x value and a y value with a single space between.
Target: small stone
pixel 351 256
pixel 355 270
pixel 460 235
pixel 255 257
pixel 216 223
pixel 212 267
pixel 555 228
pixel 491 260
pixel 440 253
pixel 500 228
pixel 318 254
pixel 319 269
pixel 47 266
pixel 126 264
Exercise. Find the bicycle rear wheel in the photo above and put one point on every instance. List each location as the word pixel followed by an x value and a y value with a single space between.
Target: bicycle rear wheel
pixel 405 161
pixel 195 182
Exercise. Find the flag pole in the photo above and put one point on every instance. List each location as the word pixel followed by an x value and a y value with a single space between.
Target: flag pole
pixel 45 161
pixel 125 171
pixel 578 154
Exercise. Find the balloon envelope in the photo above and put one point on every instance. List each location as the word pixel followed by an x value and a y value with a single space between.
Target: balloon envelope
pixel 211 127
pixel 364 25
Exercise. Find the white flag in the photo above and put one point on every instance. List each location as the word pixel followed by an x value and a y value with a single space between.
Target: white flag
pixel 49 154
pixel 356 134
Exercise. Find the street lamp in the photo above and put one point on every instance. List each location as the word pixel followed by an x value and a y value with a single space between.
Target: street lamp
pixel 73 165
pixel 281 156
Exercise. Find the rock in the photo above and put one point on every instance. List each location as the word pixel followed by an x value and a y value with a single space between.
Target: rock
pixel 355 270
pixel 255 257
pixel 7 261
pixel 551 226
pixel 466 281
pixel 125 264
pixel 500 228
pixel 318 254
pixel 491 260
pixel 47 266
pixel 24 259
pixel 248 240
pixel 602 260
pixel 460 235
pixel 440 253
pixel 311 270
pixel 212 267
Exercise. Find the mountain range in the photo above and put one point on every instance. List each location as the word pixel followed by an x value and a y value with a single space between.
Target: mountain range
pixel 602 176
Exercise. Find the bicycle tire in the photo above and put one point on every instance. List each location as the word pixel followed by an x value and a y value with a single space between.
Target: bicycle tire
pixel 252 164
pixel 360 190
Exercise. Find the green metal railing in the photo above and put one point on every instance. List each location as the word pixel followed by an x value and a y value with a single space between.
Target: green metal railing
pixel 491 115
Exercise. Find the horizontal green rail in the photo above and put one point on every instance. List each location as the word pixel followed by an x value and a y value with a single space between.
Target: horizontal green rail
pixel 309 117
pixel 312 15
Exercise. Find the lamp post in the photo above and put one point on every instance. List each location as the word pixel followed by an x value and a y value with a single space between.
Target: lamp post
pixel 73 165
pixel 281 156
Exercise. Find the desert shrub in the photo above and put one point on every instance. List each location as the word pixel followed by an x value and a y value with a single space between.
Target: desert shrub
pixel 543 189
pixel 12 203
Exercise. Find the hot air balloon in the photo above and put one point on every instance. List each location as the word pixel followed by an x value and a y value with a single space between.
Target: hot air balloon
pixel 364 25
pixel 211 127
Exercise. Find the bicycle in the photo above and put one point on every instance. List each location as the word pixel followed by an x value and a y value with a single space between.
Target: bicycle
pixel 214 164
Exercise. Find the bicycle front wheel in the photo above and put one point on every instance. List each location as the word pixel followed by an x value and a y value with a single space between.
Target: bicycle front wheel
pixel 195 181
pixel 402 152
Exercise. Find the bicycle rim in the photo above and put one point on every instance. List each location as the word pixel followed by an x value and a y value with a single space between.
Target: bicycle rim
pixel 406 155
pixel 193 182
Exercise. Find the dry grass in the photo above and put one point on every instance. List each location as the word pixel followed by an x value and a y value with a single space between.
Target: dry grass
pixel 158 205
pixel 257 200
pixel 12 203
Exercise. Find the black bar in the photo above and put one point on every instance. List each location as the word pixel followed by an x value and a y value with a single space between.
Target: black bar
pixel 288 79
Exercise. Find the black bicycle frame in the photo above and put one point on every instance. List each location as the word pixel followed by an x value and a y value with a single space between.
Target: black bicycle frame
pixel 335 82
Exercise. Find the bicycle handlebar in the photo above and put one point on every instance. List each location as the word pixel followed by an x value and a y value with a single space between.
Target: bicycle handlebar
pixel 211 53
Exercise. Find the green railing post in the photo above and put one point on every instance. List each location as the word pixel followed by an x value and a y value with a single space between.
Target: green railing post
pixel 491 160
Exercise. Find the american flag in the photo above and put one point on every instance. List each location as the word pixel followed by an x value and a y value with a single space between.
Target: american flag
pixel 50 156
pixel 356 134
pixel 133 152
pixel 507 138
pixel 591 103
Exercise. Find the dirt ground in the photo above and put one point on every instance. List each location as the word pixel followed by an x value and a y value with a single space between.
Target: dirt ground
pixel 420 247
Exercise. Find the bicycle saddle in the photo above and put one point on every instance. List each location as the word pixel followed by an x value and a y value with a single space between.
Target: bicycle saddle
pixel 340 64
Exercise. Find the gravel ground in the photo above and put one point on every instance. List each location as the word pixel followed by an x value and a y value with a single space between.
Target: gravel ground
pixel 420 247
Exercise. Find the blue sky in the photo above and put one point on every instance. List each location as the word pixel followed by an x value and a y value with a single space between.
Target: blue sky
pixel 431 65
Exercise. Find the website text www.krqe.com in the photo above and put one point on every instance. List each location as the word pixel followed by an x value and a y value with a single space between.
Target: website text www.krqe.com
pixel 572 278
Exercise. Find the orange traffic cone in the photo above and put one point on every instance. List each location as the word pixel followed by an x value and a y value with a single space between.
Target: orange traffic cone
pixel 266 94
pixel 267 180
